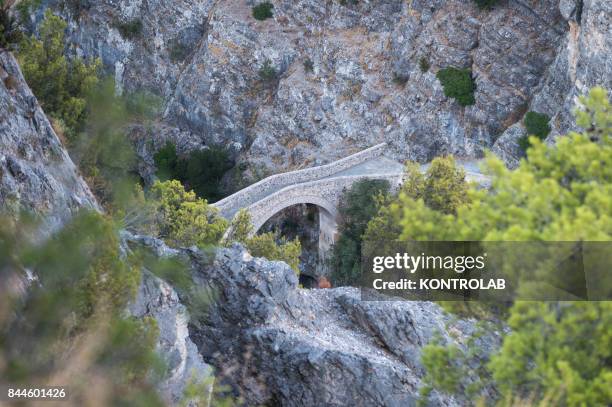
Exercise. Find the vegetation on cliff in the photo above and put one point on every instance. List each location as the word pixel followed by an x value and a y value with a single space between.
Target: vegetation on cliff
pixel 458 84
pixel 263 11
pixel 357 207
pixel 266 245
pixel 61 85
pixel 200 170
pixel 536 125
pixel 556 353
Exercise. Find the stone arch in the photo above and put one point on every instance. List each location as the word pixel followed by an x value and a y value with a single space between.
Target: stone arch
pixel 328 214
pixel 326 208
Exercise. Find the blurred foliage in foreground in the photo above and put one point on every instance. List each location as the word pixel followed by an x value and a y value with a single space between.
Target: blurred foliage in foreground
pixel 62 316
pixel 557 354
pixel 103 150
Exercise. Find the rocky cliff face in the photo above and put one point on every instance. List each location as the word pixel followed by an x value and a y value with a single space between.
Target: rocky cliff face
pixel 36 173
pixel 348 76
pixel 38 176
pixel 158 299
pixel 277 344
pixel 583 60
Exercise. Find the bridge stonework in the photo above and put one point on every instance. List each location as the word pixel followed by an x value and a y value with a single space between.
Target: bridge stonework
pixel 322 186
pixel 248 196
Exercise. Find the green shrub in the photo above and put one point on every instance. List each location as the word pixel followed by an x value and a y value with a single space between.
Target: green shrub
pixel 265 245
pixel 184 219
pixel 443 186
pixel 240 228
pixel 201 171
pixel 536 125
pixel 486 4
pixel 357 206
pixel 166 162
pixel 439 362
pixel 454 370
pixel 130 29
pixel 61 85
pixel 263 11
pixel 424 64
pixel 267 73
pixel 308 65
pixel 178 51
pixel 204 170
pixel 458 84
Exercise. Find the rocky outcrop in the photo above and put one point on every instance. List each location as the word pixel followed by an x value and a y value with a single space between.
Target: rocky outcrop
pixel 157 299
pixel 277 344
pixel 38 176
pixel 583 60
pixel 184 365
pixel 36 173
pixel 348 76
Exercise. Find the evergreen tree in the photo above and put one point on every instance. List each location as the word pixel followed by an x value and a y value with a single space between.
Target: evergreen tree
pixel 357 206
pixel 556 353
pixel 184 219
pixel 60 85
pixel 264 245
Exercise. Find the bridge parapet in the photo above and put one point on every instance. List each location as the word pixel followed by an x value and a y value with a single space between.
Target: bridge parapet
pixel 260 190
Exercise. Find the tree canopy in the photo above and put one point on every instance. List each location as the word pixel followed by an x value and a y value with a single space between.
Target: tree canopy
pixel 556 353
pixel 357 206
pixel 60 84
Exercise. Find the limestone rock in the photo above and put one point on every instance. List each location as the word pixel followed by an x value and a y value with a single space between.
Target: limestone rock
pixel 277 344
pixel 583 61
pixel 347 76
pixel 507 146
pixel 36 173
pixel 157 299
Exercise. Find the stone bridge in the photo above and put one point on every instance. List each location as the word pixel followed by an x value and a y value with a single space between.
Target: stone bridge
pixel 321 186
